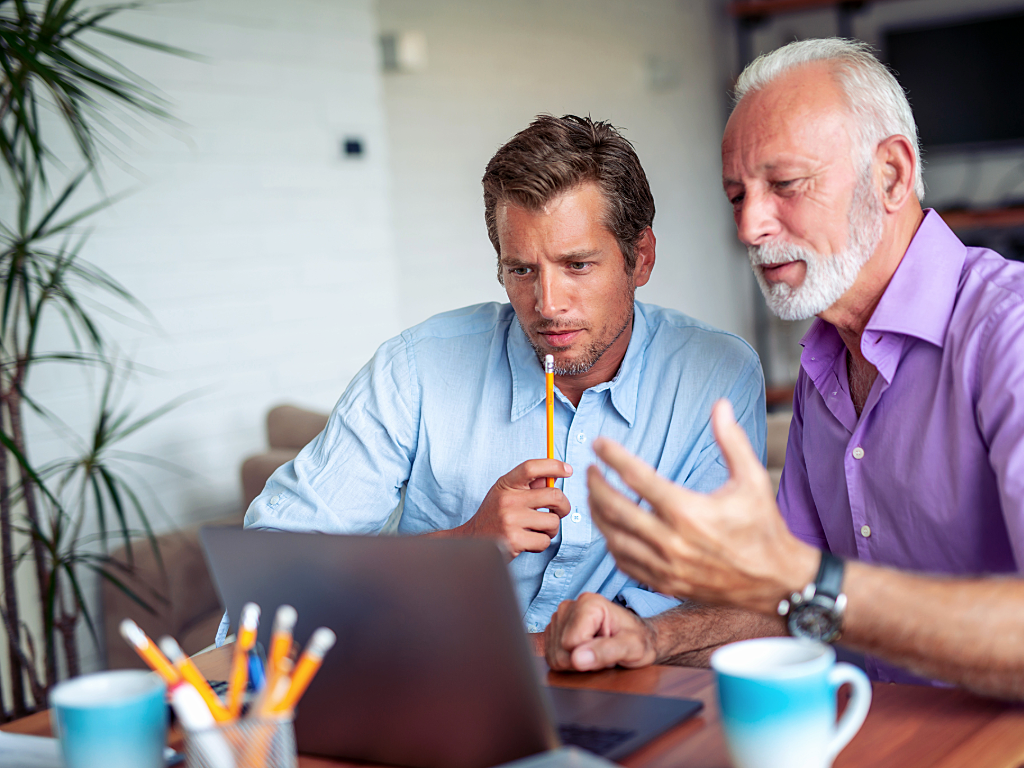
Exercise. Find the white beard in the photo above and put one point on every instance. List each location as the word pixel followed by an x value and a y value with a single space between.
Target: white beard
pixel 827 277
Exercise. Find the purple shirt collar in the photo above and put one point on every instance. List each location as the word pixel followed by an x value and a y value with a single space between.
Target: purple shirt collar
pixel 917 302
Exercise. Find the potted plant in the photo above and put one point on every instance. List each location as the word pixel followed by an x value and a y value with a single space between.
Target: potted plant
pixel 52 64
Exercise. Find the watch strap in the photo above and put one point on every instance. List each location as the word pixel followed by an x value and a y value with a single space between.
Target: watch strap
pixel 829 581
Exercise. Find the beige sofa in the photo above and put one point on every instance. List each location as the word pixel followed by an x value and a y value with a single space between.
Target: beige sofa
pixel 190 610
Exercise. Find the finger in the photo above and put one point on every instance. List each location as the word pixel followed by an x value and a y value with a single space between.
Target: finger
pixel 613 512
pixel 638 561
pixel 556 656
pixel 604 652
pixel 587 620
pixel 541 522
pixel 732 440
pixel 554 652
pixel 635 539
pixel 551 499
pixel 639 475
pixel 534 469
pixel 529 541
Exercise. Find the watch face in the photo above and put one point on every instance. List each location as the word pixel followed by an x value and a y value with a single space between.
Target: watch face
pixel 814 621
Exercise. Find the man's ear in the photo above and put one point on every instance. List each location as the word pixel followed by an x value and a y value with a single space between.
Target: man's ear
pixel 898 161
pixel 644 258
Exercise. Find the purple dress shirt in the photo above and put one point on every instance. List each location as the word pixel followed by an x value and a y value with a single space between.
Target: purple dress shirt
pixel 930 478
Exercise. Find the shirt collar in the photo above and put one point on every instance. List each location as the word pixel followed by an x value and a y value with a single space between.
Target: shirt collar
pixel 919 299
pixel 528 374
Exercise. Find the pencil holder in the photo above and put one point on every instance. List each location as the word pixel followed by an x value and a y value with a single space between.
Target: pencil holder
pixel 247 743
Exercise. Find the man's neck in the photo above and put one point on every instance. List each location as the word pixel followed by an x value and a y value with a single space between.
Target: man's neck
pixel 851 314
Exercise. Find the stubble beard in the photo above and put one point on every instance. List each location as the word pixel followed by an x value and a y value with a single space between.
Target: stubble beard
pixel 829 276
pixel 588 359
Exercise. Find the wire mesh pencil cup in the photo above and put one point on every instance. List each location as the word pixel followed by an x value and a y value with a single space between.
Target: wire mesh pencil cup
pixel 247 743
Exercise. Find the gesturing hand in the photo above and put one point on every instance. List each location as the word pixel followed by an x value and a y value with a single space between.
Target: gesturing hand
pixel 729 547
pixel 520 510
pixel 593 633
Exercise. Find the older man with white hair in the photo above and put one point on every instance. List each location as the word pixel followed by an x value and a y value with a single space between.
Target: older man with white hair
pixel 906 451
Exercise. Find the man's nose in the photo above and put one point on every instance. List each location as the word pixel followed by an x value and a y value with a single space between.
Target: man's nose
pixel 756 219
pixel 552 296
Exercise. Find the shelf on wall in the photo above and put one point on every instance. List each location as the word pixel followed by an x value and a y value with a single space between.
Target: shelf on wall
pixel 961 219
pixel 759 9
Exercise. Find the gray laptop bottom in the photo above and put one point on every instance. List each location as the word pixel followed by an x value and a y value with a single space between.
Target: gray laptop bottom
pixel 432 668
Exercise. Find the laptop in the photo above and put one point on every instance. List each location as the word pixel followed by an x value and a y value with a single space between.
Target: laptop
pixel 432 668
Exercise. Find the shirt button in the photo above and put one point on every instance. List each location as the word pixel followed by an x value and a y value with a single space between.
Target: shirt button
pixel 576 517
pixel 559 573
pixel 275 499
pixel 858 453
pixel 865 531
pixel 535 627
pixel 580 437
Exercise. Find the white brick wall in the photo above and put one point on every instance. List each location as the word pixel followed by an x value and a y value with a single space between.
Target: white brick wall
pixel 264 255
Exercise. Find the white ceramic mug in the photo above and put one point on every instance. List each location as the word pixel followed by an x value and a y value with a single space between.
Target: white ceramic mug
pixel 777 697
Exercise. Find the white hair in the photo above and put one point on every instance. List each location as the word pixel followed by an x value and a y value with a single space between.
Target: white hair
pixel 871 91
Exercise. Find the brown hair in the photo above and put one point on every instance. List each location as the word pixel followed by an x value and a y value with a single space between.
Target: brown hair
pixel 556 154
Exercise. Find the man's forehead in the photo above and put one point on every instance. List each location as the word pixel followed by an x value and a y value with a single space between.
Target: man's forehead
pixel 782 127
pixel 584 204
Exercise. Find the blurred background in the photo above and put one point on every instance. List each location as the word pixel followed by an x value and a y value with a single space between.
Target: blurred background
pixel 320 192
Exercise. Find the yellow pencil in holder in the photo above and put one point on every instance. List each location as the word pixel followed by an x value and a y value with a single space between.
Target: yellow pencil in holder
pixel 190 672
pixel 247 626
pixel 319 644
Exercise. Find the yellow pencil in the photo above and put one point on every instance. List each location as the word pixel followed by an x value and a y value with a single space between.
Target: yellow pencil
pixel 319 644
pixel 549 376
pixel 247 625
pixel 279 655
pixel 150 654
pixel 271 695
pixel 190 672
pixel 281 638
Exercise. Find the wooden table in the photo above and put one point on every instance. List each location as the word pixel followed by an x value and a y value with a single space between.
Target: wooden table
pixel 907 727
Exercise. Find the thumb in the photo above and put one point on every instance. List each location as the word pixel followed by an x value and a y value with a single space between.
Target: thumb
pixel 604 652
pixel 739 456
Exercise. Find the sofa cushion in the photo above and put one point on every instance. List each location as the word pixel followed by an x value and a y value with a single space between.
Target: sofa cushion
pixel 292 427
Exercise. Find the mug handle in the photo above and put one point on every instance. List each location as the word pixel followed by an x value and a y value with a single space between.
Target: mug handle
pixel 856 710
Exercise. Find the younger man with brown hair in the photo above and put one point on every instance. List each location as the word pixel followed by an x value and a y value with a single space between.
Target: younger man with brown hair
pixel 452 409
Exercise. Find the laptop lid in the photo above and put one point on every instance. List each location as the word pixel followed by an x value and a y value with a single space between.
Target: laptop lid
pixel 431 668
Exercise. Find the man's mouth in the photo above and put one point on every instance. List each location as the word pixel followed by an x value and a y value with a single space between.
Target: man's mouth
pixel 560 338
pixel 775 273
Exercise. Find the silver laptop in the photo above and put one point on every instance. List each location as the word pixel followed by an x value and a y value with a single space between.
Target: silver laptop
pixel 432 668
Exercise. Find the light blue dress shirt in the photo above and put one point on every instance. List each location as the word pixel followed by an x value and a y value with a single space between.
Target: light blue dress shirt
pixel 452 404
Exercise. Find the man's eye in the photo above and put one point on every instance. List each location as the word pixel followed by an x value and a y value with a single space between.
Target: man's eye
pixel 784 183
pixel 578 265
pixel 519 271
pixel 736 199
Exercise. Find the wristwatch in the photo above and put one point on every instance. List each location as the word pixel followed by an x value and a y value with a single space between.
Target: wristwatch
pixel 817 612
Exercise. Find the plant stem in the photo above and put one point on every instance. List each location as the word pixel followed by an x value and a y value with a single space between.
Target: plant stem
pixel 32 510
pixel 10 590
pixel 66 626
pixel 27 662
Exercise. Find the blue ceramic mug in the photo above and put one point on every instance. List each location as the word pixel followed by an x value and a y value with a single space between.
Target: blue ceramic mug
pixel 777 697
pixel 111 720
